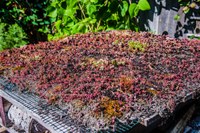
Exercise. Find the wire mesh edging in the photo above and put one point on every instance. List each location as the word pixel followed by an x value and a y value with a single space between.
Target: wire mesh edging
pixel 55 117
pixel 28 101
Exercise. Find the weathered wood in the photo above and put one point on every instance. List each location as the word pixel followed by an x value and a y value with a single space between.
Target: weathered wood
pixel 182 123
pixel 160 19
pixel 150 120
pixel 2 112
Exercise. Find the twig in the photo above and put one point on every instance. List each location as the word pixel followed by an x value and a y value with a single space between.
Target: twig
pixel 84 14
pixel 98 24
pixel 129 1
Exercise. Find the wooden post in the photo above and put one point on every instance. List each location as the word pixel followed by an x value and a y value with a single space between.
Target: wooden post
pixel 2 112
pixel 179 128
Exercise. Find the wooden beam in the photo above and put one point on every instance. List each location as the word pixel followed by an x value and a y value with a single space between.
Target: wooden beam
pixel 2 113
pixel 183 122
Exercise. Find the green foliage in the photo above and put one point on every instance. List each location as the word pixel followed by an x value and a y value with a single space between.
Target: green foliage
pixel 30 15
pixel 143 5
pixel 11 36
pixel 188 7
pixel 53 19
pixel 194 37
pixel 176 17
pixel 133 10
pixel 75 16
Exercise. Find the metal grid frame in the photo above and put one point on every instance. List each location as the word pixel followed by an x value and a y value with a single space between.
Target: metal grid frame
pixel 50 115
pixel 57 119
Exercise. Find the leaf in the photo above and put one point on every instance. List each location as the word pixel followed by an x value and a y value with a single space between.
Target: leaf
pixel 121 26
pixel 71 3
pixel 114 16
pixel 46 22
pixel 52 20
pixel 80 27
pixel 57 25
pixel 39 20
pixel 127 24
pixel 136 11
pixel 91 9
pixel 92 21
pixel 131 10
pixel 136 28
pixel 176 17
pixel 124 8
pixel 50 37
pixel 86 20
pixel 33 17
pixel 41 23
pixel 144 5
pixel 52 12
pixel 69 13
pixel 34 23
pixel 193 5
pixel 94 1
pixel 74 28
pixel 186 9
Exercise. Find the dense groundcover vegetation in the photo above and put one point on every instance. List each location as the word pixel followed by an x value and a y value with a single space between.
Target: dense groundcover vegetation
pixel 101 77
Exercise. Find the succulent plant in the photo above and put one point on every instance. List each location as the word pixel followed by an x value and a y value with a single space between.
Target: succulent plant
pixel 100 82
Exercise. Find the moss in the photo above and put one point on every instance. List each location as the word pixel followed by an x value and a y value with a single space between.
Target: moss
pixel 126 83
pixel 17 68
pixel 110 108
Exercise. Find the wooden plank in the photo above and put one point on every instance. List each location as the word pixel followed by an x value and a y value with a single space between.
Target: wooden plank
pixel 2 113
pixel 182 123
pixel 195 18
pixel 150 120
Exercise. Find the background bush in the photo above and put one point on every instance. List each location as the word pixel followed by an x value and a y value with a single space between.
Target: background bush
pixel 75 16
pixel 28 14
pixel 11 36
pixel 51 19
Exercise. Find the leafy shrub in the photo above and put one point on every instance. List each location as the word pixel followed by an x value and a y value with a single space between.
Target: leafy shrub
pixel 30 15
pixel 11 36
pixel 75 16
pixel 57 18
